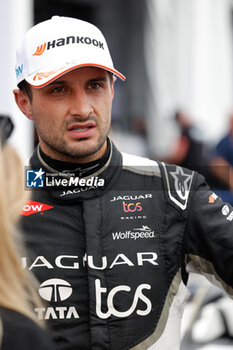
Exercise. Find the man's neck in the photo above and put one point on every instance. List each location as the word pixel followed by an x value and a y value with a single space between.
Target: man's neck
pixel 82 168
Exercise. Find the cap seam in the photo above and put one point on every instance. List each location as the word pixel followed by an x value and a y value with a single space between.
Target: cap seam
pixel 114 71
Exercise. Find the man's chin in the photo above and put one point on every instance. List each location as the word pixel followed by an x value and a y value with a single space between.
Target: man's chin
pixel 85 151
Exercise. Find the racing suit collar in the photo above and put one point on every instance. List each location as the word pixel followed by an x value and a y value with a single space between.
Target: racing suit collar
pixel 94 184
pixel 81 170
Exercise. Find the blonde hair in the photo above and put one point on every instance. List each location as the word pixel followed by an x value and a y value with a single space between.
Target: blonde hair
pixel 17 286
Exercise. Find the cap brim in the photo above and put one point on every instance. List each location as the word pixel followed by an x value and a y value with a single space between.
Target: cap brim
pixel 47 75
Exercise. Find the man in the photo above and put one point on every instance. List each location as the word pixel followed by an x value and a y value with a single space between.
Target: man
pixel 111 237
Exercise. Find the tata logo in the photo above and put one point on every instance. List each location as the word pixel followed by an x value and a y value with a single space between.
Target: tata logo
pixel 55 290
pixel 32 207
pixel 132 207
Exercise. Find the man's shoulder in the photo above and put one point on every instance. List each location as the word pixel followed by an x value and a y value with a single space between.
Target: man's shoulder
pixel 176 181
pixel 140 164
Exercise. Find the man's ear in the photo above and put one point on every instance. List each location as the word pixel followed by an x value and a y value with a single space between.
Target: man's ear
pixel 23 102
pixel 113 82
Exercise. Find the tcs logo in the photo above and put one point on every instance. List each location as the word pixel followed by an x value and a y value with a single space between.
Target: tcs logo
pixel 132 207
pixel 110 295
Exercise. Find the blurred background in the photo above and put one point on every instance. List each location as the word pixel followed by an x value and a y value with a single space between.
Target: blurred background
pixel 177 56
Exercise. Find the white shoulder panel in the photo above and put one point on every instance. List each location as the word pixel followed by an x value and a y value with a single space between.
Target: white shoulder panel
pixel 170 338
pixel 140 165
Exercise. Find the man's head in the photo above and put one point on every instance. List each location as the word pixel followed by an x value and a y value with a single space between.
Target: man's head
pixel 65 79
pixel 58 45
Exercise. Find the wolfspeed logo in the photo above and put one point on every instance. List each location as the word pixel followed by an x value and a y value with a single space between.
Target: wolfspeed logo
pixel 66 41
pixel 143 232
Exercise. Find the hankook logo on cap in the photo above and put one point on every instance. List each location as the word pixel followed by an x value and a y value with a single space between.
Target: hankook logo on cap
pixel 40 49
pixel 55 289
pixel 72 39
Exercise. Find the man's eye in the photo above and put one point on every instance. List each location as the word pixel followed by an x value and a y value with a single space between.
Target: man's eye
pixel 95 86
pixel 58 89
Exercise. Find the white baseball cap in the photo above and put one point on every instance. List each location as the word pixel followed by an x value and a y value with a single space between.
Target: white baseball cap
pixel 59 45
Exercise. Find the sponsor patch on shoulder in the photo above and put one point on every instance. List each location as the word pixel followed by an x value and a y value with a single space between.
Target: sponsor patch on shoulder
pixel 212 198
pixel 179 181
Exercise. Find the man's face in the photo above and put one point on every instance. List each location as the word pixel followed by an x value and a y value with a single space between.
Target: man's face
pixel 72 114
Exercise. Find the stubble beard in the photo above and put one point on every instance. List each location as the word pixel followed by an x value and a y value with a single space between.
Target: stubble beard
pixel 79 151
pixel 58 148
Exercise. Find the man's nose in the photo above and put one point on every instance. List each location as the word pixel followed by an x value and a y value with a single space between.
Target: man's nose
pixel 80 104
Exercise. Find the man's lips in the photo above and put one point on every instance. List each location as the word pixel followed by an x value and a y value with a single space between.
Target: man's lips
pixel 81 130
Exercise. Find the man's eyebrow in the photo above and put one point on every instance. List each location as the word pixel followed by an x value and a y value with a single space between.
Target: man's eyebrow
pixel 56 82
pixel 92 80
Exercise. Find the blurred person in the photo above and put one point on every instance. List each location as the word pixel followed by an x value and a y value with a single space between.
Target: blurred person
pixel 221 165
pixel 210 321
pixel 189 150
pixel 19 328
pixel 112 237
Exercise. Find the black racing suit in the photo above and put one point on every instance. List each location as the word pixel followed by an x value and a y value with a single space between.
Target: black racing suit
pixel 113 260
pixel 21 333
